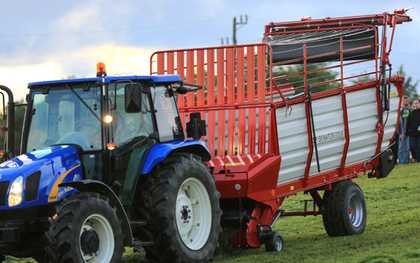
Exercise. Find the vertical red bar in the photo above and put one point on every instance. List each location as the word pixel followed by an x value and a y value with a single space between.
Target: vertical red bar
pixel 200 81
pixel 308 116
pixel 200 77
pixel 240 99
pixel 221 99
pixel 180 72
pixel 345 113
pixel 250 95
pixel 170 63
pixel 210 100
pixel 190 76
pixel 230 78
pixel 261 99
pixel 180 64
pixel 161 63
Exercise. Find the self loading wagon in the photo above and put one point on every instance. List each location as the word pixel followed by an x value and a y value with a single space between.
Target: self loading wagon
pixel 307 110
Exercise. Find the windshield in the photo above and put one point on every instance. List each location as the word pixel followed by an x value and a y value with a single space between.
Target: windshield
pixel 66 116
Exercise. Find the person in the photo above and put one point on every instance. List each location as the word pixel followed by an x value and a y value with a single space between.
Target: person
pixel 413 130
pixel 404 142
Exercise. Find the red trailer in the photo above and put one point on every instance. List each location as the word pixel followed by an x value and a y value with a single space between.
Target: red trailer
pixel 309 109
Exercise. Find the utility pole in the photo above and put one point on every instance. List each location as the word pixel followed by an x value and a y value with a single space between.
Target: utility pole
pixel 243 20
pixel 224 40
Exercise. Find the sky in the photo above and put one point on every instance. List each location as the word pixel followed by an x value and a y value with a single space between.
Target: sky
pixel 49 39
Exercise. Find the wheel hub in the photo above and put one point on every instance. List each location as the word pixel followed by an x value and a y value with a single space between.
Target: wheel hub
pixel 89 242
pixel 355 211
pixel 96 239
pixel 185 213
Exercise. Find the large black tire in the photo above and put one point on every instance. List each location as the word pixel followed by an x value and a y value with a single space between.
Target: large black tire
pixel 65 242
pixel 157 202
pixel 344 210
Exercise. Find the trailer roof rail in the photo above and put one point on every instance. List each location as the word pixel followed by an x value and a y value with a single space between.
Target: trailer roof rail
pixel 307 24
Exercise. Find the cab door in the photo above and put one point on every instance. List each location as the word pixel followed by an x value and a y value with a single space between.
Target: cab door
pixel 132 133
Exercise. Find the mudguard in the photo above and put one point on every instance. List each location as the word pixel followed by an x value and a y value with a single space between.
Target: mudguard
pixel 159 152
pixel 103 189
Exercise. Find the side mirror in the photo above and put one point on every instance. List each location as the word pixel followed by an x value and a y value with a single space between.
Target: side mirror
pixel 133 97
pixel 184 88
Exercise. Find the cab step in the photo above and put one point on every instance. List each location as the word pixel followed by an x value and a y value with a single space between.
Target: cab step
pixel 137 224
pixel 140 245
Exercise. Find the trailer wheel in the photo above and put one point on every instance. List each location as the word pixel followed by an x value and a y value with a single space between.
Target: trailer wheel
pixel 274 244
pixel 180 203
pixel 344 210
pixel 86 228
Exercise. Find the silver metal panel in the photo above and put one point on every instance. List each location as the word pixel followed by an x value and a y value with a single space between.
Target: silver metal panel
pixel 329 131
pixel 390 119
pixel 293 141
pixel 363 117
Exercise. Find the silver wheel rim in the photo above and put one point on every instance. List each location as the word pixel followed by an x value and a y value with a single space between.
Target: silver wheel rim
pixel 193 213
pixel 98 225
pixel 355 211
pixel 278 245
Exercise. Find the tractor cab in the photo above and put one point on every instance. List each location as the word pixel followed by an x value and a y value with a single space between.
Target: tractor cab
pixel 106 118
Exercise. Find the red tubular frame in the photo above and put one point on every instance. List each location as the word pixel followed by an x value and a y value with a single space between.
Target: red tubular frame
pixel 237 97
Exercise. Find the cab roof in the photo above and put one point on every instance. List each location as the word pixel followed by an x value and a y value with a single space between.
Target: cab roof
pixel 109 79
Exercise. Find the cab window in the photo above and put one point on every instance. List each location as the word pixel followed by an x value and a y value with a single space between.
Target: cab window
pixel 127 126
pixel 166 114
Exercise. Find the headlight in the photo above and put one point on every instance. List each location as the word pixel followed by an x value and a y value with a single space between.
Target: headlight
pixel 16 192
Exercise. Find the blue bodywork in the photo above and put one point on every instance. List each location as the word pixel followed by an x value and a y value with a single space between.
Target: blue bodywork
pixel 160 152
pixel 53 163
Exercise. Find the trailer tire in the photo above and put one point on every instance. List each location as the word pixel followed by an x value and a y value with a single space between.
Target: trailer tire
pixel 167 211
pixel 274 244
pixel 344 210
pixel 85 227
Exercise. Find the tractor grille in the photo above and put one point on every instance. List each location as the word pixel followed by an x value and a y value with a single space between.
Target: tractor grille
pixel 32 186
pixel 3 192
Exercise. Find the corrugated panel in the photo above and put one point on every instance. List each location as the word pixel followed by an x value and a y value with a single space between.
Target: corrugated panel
pixel 293 142
pixel 390 119
pixel 363 119
pixel 329 131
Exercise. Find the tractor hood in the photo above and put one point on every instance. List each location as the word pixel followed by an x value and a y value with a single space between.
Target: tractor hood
pixel 40 170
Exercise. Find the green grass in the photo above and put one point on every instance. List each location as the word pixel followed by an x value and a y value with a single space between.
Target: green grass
pixel 392 233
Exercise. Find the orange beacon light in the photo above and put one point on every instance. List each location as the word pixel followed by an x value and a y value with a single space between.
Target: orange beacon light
pixel 100 69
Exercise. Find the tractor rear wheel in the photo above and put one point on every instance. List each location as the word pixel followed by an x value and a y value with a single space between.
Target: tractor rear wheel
pixel 86 228
pixel 180 203
pixel 344 210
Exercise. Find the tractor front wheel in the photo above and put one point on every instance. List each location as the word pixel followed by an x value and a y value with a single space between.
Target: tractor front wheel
pixel 86 228
pixel 180 203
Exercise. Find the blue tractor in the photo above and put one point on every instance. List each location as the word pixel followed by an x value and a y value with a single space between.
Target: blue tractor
pixel 104 164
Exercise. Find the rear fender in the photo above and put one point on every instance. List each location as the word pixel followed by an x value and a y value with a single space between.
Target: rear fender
pixel 103 189
pixel 159 152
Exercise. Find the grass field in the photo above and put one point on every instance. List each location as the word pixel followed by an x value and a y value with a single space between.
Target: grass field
pixel 392 234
